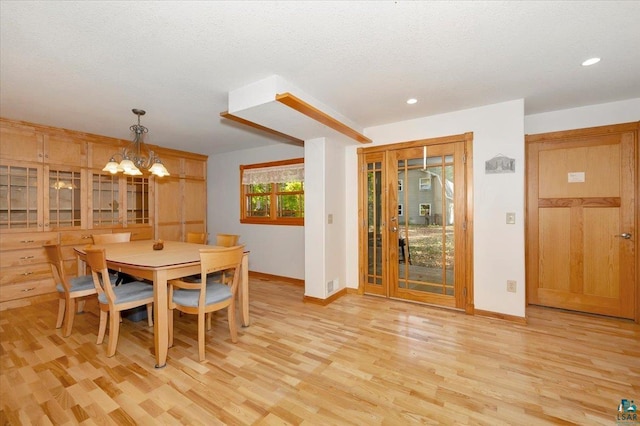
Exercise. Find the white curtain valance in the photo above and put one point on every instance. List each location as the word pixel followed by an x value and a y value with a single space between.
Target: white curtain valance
pixel 275 174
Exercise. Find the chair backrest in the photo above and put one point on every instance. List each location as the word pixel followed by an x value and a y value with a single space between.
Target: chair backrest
pixel 120 237
pixel 54 257
pixel 97 262
pixel 227 240
pixel 196 238
pixel 216 259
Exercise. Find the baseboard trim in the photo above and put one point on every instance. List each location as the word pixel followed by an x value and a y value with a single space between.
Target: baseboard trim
pixel 270 277
pixel 324 302
pixel 498 315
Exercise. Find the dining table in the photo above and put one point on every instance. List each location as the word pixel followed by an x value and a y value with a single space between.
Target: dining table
pixel 175 260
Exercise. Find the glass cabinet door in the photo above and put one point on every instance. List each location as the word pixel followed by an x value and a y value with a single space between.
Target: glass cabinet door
pixel 64 199
pixel 19 198
pixel 106 200
pixel 137 200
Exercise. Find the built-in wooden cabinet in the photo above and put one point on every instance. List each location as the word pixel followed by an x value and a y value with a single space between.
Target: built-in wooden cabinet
pixel 53 189
pixel 181 199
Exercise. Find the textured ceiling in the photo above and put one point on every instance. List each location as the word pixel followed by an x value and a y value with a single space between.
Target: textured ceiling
pixel 85 65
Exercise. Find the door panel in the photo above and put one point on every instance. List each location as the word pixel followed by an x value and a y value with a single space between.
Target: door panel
pixel 580 200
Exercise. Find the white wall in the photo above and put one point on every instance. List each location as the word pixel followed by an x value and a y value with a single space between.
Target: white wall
pixel 588 116
pixel 324 196
pixel 277 249
pixel 498 247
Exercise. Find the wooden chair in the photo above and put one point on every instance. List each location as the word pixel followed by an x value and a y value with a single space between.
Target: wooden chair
pixel 224 240
pixel 119 237
pixel 205 297
pixel 196 238
pixel 69 289
pixel 114 300
pixel 227 240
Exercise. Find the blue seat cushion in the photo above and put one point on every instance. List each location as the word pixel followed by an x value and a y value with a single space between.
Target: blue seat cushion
pixel 215 293
pixel 129 292
pixel 83 282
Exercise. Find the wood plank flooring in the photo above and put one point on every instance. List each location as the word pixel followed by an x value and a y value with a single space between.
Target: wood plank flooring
pixel 358 361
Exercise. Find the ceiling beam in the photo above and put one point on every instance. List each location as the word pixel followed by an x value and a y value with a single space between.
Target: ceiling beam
pixel 312 112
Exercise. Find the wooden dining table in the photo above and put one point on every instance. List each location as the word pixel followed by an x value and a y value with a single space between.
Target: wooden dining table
pixel 175 260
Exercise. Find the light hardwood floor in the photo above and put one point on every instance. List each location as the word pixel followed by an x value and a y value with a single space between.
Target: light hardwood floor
pixel 358 361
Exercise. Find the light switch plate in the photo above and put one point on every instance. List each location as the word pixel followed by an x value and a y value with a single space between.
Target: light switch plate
pixel 511 218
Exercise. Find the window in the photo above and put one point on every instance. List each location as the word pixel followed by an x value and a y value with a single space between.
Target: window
pixel 400 210
pixel 425 183
pixel 425 209
pixel 400 185
pixel 273 193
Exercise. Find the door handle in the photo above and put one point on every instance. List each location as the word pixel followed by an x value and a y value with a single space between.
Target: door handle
pixel 394 229
pixel 625 235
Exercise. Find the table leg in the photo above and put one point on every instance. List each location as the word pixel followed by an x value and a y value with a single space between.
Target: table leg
pixel 160 330
pixel 244 290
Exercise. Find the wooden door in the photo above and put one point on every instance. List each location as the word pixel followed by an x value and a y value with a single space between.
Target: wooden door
pixel 427 216
pixel 415 211
pixel 581 236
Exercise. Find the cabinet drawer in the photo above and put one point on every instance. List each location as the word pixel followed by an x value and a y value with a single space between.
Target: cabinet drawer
pixel 22 257
pixel 26 289
pixel 26 240
pixel 79 238
pixel 21 274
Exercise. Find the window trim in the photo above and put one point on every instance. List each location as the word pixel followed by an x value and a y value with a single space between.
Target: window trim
pixel 272 219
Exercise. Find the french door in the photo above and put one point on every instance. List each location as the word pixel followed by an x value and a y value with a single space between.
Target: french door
pixel 415 238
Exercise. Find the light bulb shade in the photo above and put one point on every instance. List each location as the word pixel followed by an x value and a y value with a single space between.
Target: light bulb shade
pixel 112 167
pixel 126 165
pixel 158 169
pixel 133 172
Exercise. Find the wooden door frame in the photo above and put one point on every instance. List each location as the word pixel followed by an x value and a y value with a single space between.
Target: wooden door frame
pixel 632 127
pixel 467 253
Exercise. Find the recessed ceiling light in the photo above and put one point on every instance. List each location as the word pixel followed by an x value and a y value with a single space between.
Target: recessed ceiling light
pixel 412 101
pixel 590 62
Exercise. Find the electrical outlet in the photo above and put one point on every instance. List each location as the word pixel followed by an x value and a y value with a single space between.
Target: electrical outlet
pixel 330 286
pixel 511 286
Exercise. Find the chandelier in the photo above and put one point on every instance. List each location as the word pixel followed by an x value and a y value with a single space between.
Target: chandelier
pixel 136 155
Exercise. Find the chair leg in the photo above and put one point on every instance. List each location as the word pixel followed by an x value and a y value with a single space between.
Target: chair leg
pixel 209 315
pixel 61 306
pixel 231 315
pixel 150 314
pixel 103 326
pixel 170 326
pixel 114 329
pixel 201 336
pixel 80 305
pixel 69 314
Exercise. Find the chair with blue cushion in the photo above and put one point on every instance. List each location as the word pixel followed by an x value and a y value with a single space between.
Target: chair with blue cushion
pixel 206 296
pixel 114 300
pixel 69 289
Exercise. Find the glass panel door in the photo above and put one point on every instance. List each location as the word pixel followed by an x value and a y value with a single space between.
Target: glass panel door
pixel 19 198
pixel 426 215
pixel 64 199
pixel 374 250
pixel 106 200
pixel 413 212
pixel 137 200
